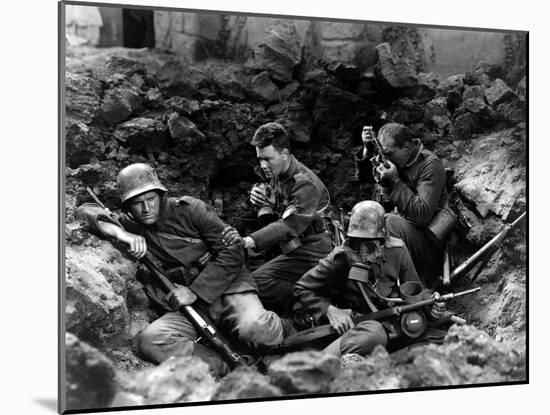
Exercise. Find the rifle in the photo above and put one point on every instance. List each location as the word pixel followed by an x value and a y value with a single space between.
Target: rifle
pixel 485 252
pixel 201 322
pixel 381 193
pixel 413 322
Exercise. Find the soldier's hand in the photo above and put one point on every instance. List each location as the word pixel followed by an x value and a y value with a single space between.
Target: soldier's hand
pixel 137 247
pixel 180 296
pixel 388 174
pixel 438 308
pixel 257 196
pixel 231 236
pixel 340 319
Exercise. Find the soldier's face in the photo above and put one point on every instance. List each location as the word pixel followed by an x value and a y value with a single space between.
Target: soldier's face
pixel 145 208
pixel 272 161
pixel 397 155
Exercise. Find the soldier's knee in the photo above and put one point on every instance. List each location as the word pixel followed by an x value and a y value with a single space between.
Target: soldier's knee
pixel 156 344
pixel 363 338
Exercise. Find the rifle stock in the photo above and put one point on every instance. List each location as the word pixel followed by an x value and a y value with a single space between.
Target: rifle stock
pixel 201 322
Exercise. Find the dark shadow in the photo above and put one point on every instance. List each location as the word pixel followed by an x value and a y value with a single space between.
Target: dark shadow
pixel 47 403
pixel 138 28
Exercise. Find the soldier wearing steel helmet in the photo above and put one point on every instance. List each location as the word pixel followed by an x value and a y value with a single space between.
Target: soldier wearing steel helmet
pixel 360 276
pixel 185 237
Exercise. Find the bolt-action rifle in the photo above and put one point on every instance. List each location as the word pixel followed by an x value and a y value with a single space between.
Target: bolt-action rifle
pixel 412 322
pixel 201 322
pixel 485 252
pixel 382 193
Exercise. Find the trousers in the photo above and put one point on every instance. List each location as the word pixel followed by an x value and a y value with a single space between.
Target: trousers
pixel 361 339
pixel 171 334
pixel 425 250
pixel 276 278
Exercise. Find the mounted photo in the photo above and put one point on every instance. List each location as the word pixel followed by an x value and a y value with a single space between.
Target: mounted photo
pixel 260 207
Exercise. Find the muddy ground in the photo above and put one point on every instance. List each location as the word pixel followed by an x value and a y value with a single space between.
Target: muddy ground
pixel 193 123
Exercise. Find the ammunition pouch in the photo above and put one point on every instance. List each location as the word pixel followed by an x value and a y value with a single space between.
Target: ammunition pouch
pixel 443 221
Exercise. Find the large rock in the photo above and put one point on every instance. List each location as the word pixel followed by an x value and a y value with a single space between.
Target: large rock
pixel 473 99
pixel 394 71
pixel 176 380
pixel 492 175
pixel 229 81
pixel 296 120
pixel 83 97
pixel 184 106
pixel 483 73
pixel 465 125
pixel 498 92
pixel 264 88
pixel 435 110
pixel 90 376
pixel 173 79
pixel 119 103
pixel 245 383
pixel 143 134
pixel 280 52
pixel 184 132
pixel 121 65
pixel 84 143
pixel 96 275
pixel 405 111
pixel 304 372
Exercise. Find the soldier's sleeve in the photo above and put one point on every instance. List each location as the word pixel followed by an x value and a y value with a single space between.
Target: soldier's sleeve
pixel 227 261
pixel 303 204
pixel 420 205
pixel 92 213
pixel 313 289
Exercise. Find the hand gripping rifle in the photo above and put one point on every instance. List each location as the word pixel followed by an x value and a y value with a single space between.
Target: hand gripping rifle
pixel 485 252
pixel 382 193
pixel 412 321
pixel 201 322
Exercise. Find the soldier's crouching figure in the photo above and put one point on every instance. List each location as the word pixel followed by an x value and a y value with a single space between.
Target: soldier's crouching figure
pixel 184 236
pixel 361 276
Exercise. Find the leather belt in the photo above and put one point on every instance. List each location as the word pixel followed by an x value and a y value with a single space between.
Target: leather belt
pixel 318 225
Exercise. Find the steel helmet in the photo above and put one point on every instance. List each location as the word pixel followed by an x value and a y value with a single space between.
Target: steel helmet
pixel 367 220
pixel 136 179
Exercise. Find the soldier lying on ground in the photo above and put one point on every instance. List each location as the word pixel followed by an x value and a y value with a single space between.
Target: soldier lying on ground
pixel 361 276
pixel 185 237
pixel 416 180
pixel 298 198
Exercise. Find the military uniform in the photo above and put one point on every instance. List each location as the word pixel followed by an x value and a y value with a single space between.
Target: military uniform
pixel 418 195
pixel 300 232
pixel 188 231
pixel 330 283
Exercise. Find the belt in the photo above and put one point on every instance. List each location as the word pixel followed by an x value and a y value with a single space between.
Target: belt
pixel 318 225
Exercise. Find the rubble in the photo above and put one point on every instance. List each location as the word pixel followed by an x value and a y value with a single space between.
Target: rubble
pixel 82 97
pixel 395 72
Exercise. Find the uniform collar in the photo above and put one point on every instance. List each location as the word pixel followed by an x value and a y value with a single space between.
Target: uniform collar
pixel 291 171
pixel 414 158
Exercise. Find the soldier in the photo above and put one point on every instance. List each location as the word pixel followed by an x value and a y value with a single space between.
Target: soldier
pixel 299 198
pixel 184 237
pixel 361 276
pixel 416 183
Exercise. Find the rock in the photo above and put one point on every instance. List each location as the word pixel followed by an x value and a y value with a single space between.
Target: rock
pixel 522 89
pixel 153 98
pixel 92 174
pixel 229 81
pixel 263 87
pixel 184 132
pixel 318 76
pixel 90 376
pixel 344 71
pixel 452 83
pixel 427 86
pixel 483 73
pixel 118 104
pixel 82 143
pixel 173 79
pixel 473 99
pixel 498 92
pixel 143 134
pixel 82 99
pixel 405 111
pixel 245 383
pixel 437 107
pixel 492 174
pixel 115 64
pixel 280 52
pixel 304 372
pixel 513 308
pixel 96 272
pixel 465 125
pixel 511 113
pixel 176 380
pixel 184 106
pixel 296 120
pixel 394 71
pixel 126 399
pixel 289 90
